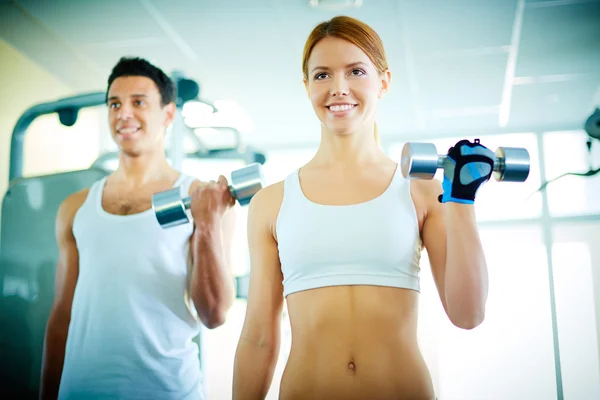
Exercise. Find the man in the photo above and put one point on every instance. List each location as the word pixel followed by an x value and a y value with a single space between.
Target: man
pixel 130 295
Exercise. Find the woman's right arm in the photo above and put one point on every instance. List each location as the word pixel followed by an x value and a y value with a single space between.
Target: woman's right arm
pixel 259 342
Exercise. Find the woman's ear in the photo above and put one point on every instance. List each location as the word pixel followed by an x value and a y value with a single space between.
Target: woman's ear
pixel 306 87
pixel 386 79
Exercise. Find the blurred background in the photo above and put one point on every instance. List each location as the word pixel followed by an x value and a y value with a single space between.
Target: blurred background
pixel 517 73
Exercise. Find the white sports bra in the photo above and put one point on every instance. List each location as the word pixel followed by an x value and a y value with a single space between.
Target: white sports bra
pixel 376 242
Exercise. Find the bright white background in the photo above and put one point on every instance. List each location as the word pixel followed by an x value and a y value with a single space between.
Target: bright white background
pixel 512 354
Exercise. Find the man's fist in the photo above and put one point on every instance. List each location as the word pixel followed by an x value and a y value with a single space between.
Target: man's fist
pixel 211 200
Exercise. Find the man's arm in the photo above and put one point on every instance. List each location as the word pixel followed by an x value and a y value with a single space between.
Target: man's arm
pixel 67 271
pixel 212 285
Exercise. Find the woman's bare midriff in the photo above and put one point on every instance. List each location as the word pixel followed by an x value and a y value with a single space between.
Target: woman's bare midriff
pixel 355 342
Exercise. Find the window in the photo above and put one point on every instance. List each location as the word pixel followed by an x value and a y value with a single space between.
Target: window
pixel 499 200
pixel 281 163
pixel 218 354
pixel 207 169
pixel 575 252
pixel 219 345
pixel 510 355
pixel 50 147
pixel 571 195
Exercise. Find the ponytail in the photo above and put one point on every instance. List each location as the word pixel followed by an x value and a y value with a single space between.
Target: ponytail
pixel 376 135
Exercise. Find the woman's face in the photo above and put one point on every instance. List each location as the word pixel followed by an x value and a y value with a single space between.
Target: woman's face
pixel 344 86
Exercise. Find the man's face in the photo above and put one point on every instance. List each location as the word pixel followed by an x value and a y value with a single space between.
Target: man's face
pixel 137 119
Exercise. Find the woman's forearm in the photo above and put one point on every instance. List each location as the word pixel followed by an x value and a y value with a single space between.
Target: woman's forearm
pixel 466 276
pixel 254 368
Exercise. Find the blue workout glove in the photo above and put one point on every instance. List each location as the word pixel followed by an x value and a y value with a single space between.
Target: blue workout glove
pixel 467 166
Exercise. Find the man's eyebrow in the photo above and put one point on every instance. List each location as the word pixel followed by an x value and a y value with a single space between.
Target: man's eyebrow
pixel 355 64
pixel 133 95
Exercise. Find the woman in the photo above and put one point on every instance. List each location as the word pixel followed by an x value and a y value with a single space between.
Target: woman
pixel 341 239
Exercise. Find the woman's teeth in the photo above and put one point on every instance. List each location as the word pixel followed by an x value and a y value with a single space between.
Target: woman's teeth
pixel 128 130
pixel 339 108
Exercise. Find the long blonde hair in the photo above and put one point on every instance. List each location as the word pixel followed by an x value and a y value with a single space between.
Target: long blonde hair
pixel 355 32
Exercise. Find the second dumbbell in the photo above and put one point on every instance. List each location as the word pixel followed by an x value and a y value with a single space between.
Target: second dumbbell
pixel 421 161
pixel 171 210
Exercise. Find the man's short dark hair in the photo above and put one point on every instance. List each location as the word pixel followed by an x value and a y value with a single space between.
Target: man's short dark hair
pixel 135 66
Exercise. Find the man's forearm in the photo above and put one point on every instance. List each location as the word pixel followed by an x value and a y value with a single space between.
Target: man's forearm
pixel 212 286
pixel 52 362
pixel 466 278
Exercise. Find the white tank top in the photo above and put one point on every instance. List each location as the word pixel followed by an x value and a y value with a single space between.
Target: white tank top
pixel 376 242
pixel 130 335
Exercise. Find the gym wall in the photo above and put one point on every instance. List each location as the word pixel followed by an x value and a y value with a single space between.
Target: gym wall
pixel 24 84
pixel 49 146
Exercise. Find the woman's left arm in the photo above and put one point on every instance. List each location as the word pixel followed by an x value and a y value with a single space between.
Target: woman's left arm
pixel 457 262
pixel 451 236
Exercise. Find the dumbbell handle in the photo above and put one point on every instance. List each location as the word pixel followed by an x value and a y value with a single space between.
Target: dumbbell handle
pixel 171 209
pixel 420 160
pixel 499 163
pixel 187 201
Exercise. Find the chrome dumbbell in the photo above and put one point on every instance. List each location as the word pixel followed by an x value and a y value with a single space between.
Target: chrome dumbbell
pixel 171 210
pixel 421 161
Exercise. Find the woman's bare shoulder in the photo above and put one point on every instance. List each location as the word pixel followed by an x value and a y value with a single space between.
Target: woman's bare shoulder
pixel 426 189
pixel 268 196
pixel 425 195
pixel 265 204
pixel 263 209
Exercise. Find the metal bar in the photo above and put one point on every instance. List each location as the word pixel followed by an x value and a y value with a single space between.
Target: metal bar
pixel 556 3
pixel 18 134
pixel 511 65
pixel 177 151
pixel 411 72
pixel 548 240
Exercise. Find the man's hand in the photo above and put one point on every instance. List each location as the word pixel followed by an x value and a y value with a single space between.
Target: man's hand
pixel 212 287
pixel 211 201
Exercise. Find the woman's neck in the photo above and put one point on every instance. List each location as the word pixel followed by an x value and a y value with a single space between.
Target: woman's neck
pixel 348 149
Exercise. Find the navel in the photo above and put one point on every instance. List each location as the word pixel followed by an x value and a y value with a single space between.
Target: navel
pixel 352 367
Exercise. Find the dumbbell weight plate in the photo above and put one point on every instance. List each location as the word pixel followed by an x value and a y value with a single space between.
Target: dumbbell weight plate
pixel 246 182
pixel 169 208
pixel 512 164
pixel 419 160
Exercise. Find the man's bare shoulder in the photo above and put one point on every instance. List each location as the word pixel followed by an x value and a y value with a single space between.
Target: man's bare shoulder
pixel 69 207
pixel 73 202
